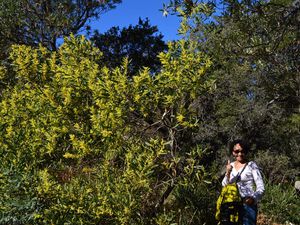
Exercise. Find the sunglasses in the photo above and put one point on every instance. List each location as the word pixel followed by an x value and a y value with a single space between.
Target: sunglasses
pixel 238 151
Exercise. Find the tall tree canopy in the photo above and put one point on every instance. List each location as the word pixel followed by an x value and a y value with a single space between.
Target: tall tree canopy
pixel 255 49
pixel 45 21
pixel 140 43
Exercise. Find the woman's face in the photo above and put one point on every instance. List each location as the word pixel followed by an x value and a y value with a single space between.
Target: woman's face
pixel 238 153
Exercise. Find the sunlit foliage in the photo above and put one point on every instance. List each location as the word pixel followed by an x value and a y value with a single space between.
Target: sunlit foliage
pixel 84 144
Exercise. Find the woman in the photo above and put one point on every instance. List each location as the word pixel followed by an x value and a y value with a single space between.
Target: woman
pixel 247 177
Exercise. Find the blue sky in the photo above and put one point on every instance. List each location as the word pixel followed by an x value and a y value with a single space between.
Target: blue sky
pixel 129 11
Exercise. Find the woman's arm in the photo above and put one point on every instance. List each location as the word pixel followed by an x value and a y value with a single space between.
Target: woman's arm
pixel 225 180
pixel 227 174
pixel 260 188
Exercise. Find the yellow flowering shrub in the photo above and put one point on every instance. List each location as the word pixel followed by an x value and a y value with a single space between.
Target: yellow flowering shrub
pixel 83 144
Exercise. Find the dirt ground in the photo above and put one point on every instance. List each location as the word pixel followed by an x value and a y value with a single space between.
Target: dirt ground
pixel 264 220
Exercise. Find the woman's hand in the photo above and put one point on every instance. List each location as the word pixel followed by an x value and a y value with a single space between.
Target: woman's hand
pixel 228 167
pixel 249 201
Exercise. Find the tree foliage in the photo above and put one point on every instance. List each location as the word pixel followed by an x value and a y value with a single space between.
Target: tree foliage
pixel 84 144
pixel 255 51
pixel 140 43
pixel 42 21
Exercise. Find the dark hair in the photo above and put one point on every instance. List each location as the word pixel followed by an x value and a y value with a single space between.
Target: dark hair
pixel 242 143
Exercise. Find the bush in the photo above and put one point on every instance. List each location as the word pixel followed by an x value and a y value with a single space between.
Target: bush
pixel 276 167
pixel 84 144
pixel 281 203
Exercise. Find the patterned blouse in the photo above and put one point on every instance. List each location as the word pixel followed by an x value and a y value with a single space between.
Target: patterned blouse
pixel 251 183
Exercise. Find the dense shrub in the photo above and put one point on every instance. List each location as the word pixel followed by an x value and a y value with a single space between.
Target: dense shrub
pixel 83 144
pixel 281 203
pixel 277 168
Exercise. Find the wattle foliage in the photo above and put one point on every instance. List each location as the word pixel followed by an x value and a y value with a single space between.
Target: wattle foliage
pixel 83 144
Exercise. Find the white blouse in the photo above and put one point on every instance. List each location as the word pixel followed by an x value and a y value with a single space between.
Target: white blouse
pixel 250 177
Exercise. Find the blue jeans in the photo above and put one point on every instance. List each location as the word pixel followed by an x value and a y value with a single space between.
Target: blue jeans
pixel 249 214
